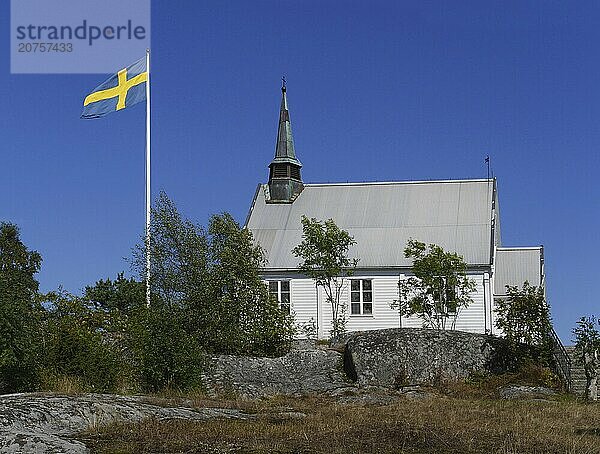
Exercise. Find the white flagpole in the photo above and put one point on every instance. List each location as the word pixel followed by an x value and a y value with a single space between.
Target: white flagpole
pixel 148 178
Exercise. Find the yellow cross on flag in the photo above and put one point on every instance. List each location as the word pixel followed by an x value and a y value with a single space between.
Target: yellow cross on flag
pixel 124 89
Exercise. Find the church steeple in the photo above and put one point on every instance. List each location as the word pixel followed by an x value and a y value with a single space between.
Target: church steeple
pixel 285 181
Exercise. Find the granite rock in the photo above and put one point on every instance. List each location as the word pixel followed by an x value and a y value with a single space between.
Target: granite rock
pixel 41 423
pixel 512 392
pixel 300 372
pixel 395 358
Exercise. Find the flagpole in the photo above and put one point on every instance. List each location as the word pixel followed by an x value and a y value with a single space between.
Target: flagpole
pixel 148 199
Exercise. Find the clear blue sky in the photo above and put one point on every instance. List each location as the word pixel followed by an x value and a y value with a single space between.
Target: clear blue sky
pixel 377 91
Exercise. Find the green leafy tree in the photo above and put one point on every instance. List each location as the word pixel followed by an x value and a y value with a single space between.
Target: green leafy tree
pixel 439 289
pixel 249 321
pixel 324 254
pixel 587 353
pixel 121 301
pixel 166 351
pixel 179 252
pixel 120 294
pixel 524 318
pixel 210 282
pixel 18 312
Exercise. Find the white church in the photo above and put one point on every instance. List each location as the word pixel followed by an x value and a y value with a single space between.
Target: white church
pixel 461 216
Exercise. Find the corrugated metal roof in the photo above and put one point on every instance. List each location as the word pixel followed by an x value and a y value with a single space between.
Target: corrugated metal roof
pixel 514 266
pixel 382 217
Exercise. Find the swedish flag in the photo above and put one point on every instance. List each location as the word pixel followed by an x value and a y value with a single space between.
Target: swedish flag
pixel 124 89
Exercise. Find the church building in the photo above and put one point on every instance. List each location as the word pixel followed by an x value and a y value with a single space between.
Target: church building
pixel 461 216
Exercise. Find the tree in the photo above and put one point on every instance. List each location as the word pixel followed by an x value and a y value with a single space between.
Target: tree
pixel 211 280
pixel 120 294
pixel 524 318
pixel 250 322
pixel 179 251
pixel 439 289
pixel 165 354
pixel 18 311
pixel 587 353
pixel 324 254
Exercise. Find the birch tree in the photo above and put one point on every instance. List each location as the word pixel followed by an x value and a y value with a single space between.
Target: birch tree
pixel 587 351
pixel 439 289
pixel 324 254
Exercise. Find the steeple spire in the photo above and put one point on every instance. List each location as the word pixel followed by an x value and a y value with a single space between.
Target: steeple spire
pixel 284 150
pixel 285 181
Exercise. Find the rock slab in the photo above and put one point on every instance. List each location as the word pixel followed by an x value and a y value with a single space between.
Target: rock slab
pixel 512 392
pixel 300 372
pixel 37 423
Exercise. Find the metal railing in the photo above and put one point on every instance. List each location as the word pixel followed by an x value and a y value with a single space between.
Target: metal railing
pixel 561 360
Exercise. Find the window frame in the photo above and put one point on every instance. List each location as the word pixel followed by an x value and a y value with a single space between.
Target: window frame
pixel 361 294
pixel 280 292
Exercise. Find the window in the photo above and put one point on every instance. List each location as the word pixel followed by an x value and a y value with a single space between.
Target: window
pixel 280 291
pixel 446 295
pixel 361 297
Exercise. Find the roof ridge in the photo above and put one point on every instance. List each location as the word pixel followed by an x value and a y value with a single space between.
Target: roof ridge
pixel 519 248
pixel 375 183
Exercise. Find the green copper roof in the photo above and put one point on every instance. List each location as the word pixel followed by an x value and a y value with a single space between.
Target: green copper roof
pixel 284 150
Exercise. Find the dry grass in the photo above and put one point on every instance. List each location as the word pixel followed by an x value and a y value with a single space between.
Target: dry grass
pixel 63 384
pixel 488 386
pixel 439 424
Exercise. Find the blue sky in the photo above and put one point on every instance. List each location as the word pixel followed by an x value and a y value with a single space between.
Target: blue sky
pixel 377 91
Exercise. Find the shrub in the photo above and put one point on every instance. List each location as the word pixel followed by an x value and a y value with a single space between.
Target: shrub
pixel 76 344
pixel 524 318
pixel 166 356
pixel 587 351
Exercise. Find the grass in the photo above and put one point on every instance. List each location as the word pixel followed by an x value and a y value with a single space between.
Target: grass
pixel 439 424
pixel 63 384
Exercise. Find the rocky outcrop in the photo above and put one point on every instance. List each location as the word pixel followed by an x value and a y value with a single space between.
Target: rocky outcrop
pixel 371 364
pixel 513 392
pixel 300 372
pixel 407 356
pixel 390 358
pixel 36 423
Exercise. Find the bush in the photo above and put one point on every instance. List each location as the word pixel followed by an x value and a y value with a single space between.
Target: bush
pixel 587 353
pixel 166 356
pixel 77 346
pixel 524 318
